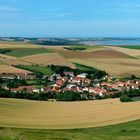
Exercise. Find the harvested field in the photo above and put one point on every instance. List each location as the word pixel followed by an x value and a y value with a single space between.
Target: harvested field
pixel 114 66
pixel 86 48
pixel 9 60
pixel 10 69
pixel 94 54
pixel 131 52
pixel 2 63
pixel 114 60
pixel 59 115
pixel 15 62
pixel 3 56
pixel 14 45
pixel 47 59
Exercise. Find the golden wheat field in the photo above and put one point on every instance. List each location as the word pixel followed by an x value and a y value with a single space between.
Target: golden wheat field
pixel 114 60
pixel 131 52
pixel 17 45
pixel 10 60
pixel 11 69
pixel 60 115
pixel 47 59
pixel 114 66
pixel 108 53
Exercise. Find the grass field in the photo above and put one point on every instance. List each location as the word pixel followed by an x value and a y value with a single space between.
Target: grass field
pixel 83 67
pixel 125 131
pixel 1 63
pixel 27 52
pixel 31 82
pixel 136 47
pixel 44 70
pixel 114 66
pixel 59 115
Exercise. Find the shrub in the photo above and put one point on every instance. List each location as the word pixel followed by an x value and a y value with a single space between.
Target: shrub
pixel 125 98
pixel 68 96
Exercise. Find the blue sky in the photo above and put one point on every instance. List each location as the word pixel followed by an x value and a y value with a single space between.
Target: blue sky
pixel 70 18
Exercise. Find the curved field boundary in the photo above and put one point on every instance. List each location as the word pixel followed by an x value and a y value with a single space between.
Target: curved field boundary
pixel 64 115
pixel 127 51
pixel 47 59
pixel 113 66
pixel 95 54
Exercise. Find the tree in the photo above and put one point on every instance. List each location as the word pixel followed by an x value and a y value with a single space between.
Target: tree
pixel 125 98
pixel 1 80
pixel 68 96
pixel 12 84
pixel 133 77
pixel 46 81
pixel 39 82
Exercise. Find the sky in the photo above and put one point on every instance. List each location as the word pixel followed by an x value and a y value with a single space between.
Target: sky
pixel 70 18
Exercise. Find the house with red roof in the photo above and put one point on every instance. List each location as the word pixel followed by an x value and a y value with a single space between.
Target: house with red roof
pixel 82 80
pixel 29 89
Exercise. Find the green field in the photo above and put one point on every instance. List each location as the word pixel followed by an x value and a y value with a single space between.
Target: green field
pixel 1 63
pixel 47 70
pixel 138 57
pixel 83 67
pixel 26 52
pixel 125 131
pixel 136 47
pixel 34 82
pixel 44 70
pixel 31 82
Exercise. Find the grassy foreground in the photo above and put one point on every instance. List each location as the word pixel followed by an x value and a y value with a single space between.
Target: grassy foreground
pixel 125 131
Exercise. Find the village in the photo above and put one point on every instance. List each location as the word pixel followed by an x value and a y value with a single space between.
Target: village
pixel 88 89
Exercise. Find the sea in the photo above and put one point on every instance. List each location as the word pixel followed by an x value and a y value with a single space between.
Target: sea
pixel 113 42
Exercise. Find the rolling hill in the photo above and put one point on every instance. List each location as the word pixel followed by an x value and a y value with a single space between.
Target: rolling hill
pixel 65 115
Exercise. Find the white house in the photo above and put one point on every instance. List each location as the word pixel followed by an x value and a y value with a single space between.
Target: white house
pixel 83 75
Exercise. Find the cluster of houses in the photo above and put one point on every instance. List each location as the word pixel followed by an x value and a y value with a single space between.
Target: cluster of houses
pixel 90 89
pixel 87 88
